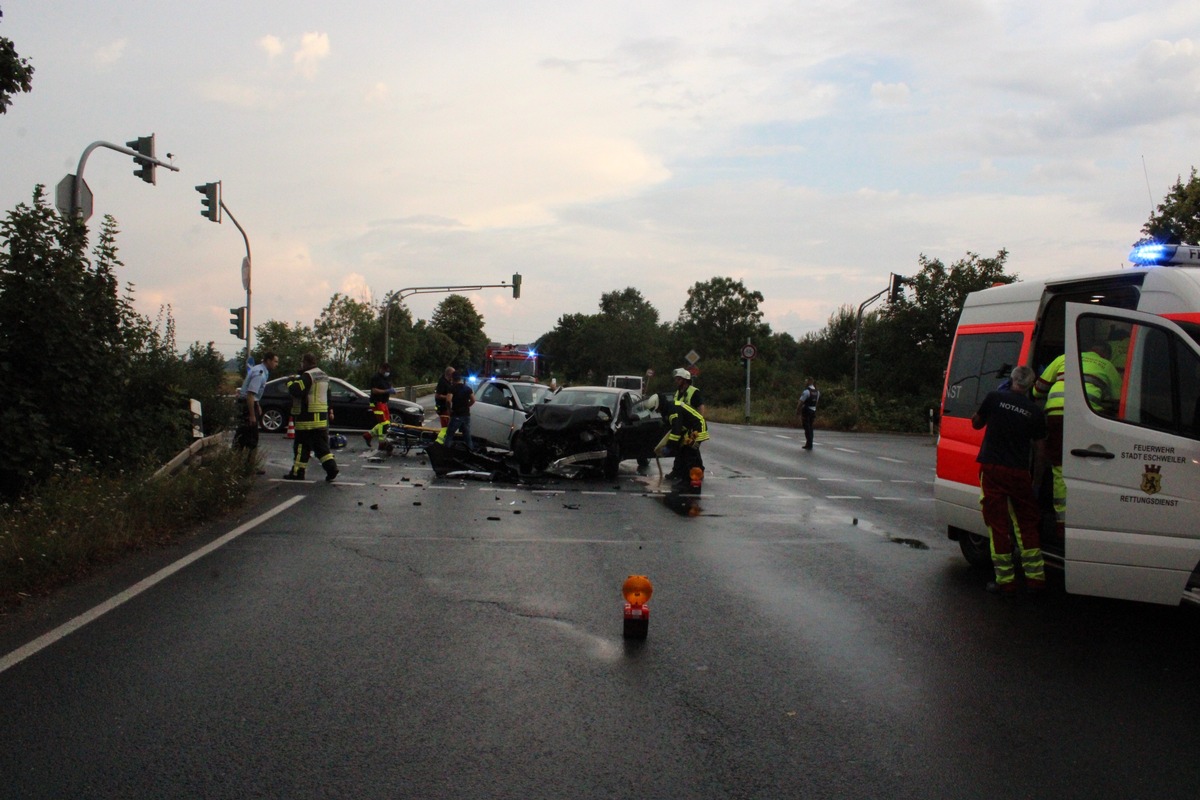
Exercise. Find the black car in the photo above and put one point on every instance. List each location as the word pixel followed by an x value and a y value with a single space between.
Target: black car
pixel 351 407
pixel 593 427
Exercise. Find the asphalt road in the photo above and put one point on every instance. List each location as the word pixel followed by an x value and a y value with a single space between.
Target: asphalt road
pixel 395 635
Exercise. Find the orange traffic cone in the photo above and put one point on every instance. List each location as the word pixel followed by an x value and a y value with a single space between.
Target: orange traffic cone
pixel 291 433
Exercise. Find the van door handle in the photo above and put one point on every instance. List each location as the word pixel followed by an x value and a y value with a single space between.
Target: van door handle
pixel 1092 453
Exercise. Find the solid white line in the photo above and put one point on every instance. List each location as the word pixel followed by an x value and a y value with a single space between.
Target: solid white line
pixel 67 628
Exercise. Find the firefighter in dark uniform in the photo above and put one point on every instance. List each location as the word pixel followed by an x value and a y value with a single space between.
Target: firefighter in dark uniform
pixel 688 427
pixel 311 417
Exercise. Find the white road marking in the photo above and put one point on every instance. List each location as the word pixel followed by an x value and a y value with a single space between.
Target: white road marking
pixel 845 450
pixel 781 436
pixel 785 478
pixel 747 496
pixel 67 628
pixel 842 497
pixel 887 498
pixel 893 460
pixel 600 493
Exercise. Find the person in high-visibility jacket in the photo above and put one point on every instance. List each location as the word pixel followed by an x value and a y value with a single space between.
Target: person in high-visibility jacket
pixel 1101 383
pixel 688 427
pixel 311 416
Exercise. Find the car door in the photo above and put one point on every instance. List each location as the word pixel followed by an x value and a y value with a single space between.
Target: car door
pixel 350 407
pixel 494 413
pixel 1132 469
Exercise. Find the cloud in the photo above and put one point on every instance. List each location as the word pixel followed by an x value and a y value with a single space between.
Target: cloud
pixel 271 44
pixel 111 53
pixel 377 94
pixel 313 48
pixel 890 94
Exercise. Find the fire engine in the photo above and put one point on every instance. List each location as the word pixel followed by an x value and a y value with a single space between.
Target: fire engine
pixel 1132 471
pixel 512 362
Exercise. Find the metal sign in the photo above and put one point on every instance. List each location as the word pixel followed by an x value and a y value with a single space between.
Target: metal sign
pixel 63 197
pixel 692 357
pixel 749 351
pixel 246 273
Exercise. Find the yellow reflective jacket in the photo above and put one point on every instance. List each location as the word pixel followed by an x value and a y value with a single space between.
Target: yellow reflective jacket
pixel 310 399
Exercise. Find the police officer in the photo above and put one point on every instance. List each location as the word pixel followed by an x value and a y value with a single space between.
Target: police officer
pixel 807 408
pixel 251 392
pixel 311 416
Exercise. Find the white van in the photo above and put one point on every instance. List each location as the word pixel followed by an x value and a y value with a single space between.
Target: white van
pixel 1132 530
pixel 626 382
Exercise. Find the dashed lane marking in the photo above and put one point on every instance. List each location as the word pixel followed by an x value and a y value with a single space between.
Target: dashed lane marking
pixel 845 450
pixel 842 497
pixel 893 460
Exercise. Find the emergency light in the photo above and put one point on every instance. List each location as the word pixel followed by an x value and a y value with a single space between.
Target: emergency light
pixel 1165 255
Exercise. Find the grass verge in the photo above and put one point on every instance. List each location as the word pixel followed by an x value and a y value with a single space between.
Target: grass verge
pixel 78 521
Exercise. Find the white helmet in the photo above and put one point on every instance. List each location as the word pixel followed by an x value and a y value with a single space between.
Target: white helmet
pixel 682 373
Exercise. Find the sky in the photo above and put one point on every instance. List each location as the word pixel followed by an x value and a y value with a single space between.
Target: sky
pixel 806 149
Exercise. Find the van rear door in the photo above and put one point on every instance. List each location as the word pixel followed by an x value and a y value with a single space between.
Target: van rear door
pixel 1132 468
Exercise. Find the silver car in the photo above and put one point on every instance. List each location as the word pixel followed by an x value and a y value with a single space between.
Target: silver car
pixel 501 408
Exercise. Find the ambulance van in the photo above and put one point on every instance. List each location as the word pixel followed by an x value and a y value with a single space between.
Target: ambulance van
pixel 1132 469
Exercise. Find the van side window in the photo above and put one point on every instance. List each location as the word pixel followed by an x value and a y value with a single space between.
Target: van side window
pixel 981 362
pixel 1160 386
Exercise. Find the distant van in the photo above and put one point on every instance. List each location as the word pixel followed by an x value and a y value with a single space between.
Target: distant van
pixel 626 382
pixel 1133 471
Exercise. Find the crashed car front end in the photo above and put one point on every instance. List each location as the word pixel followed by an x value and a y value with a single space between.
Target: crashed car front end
pixel 568 440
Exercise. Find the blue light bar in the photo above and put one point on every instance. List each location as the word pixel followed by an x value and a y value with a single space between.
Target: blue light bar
pixel 1153 254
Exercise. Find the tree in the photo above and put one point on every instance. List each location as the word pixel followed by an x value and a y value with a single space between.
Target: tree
pixel 1177 220
pixel 289 342
pixel 457 318
pixel 15 73
pixel 65 326
pixel 345 330
pixel 718 316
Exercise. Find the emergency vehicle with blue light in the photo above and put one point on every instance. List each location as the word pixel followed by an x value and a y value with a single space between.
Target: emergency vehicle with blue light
pixel 1132 469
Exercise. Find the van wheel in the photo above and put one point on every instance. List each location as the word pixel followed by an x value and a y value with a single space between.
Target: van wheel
pixel 976 549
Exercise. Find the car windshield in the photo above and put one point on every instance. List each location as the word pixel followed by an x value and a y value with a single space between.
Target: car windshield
pixel 529 393
pixel 584 397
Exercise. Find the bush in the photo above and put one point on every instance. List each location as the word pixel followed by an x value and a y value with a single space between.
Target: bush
pixel 79 519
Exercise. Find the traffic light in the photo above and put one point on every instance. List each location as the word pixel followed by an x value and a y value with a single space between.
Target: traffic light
pixel 145 146
pixel 211 200
pixel 238 322
pixel 896 289
pixel 516 285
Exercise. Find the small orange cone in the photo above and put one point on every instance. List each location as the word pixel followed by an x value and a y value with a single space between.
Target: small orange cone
pixel 291 433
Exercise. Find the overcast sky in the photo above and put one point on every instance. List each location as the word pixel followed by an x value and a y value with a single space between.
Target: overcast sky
pixel 807 149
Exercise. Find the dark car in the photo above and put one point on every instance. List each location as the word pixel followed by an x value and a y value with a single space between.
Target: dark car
pixel 350 405
pixel 596 427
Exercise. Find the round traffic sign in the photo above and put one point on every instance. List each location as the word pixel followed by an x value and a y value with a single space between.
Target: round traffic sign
pixel 749 351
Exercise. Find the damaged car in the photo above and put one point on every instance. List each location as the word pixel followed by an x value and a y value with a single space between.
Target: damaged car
pixel 588 428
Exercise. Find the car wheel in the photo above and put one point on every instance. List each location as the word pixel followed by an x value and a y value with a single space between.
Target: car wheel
pixel 976 549
pixel 272 420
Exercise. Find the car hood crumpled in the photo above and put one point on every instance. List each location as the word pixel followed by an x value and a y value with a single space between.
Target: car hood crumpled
pixel 562 418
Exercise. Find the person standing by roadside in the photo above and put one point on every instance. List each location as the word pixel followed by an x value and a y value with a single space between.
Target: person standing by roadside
pixel 246 437
pixel 461 400
pixel 1013 423
pixel 688 427
pixel 311 416
pixel 441 395
pixel 807 409
pixel 381 390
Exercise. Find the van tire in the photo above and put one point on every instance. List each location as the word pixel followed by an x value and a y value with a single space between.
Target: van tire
pixel 976 549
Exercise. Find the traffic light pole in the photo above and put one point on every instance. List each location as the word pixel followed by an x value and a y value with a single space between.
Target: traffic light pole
pixel 400 294
pixel 77 189
pixel 245 278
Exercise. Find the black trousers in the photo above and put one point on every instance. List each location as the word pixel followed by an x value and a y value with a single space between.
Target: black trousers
pixel 807 418
pixel 316 441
